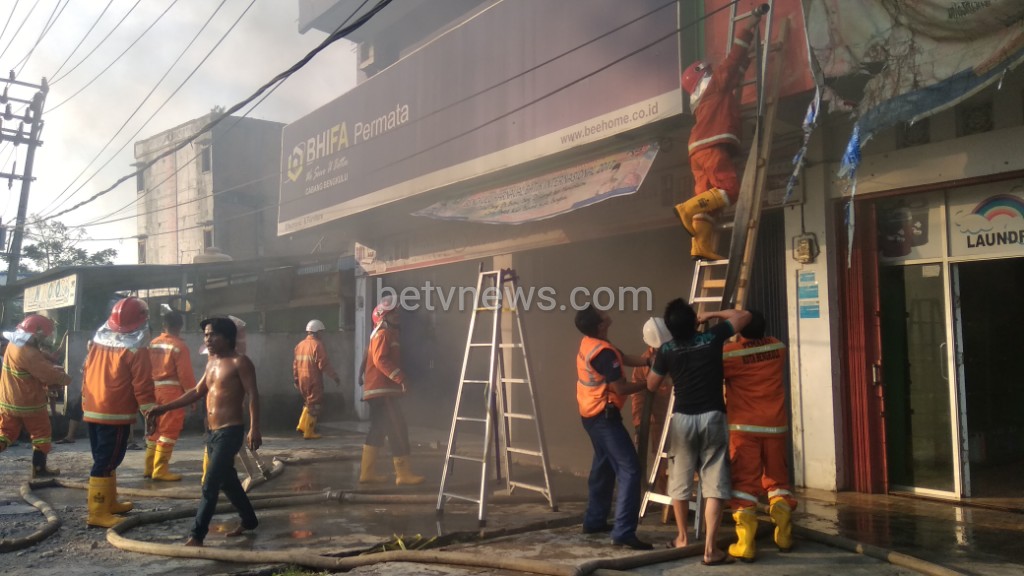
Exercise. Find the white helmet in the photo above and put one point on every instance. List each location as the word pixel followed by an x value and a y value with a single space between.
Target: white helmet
pixel 656 333
pixel 314 325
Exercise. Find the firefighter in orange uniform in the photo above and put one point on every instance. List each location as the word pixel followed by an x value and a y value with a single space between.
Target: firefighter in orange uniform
pixel 714 138
pixel 308 368
pixel 383 386
pixel 758 435
pixel 27 373
pixel 117 384
pixel 172 377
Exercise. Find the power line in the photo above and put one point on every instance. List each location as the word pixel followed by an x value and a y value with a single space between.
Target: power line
pixel 46 28
pixel 82 40
pixel 334 37
pixel 134 112
pixel 119 56
pixel 20 28
pixel 170 97
pixel 96 47
pixel 482 91
pixel 103 219
pixel 9 18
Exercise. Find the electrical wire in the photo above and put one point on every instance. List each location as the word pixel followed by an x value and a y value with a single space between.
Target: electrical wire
pixel 380 5
pixel 104 219
pixel 56 202
pixel 96 47
pixel 46 28
pixel 119 56
pixel 20 28
pixel 532 102
pixel 82 40
pixel 168 99
pixel 9 18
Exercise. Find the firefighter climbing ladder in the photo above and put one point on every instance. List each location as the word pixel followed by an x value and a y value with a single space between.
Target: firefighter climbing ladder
pixel 718 284
pixel 488 398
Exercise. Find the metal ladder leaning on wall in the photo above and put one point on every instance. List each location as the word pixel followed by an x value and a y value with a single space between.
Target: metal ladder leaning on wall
pixel 721 284
pixel 486 399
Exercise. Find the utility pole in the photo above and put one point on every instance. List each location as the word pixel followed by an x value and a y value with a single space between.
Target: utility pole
pixel 33 116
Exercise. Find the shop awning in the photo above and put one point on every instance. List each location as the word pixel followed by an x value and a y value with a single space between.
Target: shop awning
pixel 554 193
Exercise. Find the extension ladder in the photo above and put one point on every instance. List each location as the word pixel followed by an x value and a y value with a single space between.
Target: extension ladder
pixel 490 401
pixel 718 284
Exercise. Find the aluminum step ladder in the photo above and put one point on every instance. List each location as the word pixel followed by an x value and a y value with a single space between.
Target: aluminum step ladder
pixel 497 407
pixel 718 284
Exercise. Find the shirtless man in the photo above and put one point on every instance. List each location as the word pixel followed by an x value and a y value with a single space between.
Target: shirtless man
pixel 229 377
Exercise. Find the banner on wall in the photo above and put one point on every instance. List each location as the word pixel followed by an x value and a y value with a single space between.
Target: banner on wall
pixel 987 221
pixel 57 293
pixel 552 194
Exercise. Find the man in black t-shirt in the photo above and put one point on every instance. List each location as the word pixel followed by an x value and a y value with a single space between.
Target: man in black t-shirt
pixel 699 431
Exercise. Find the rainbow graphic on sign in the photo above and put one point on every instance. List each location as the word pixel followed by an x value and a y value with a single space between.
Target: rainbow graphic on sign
pixel 1000 205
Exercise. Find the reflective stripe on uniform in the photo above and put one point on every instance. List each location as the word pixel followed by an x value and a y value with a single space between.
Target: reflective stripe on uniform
pixel 758 429
pixel 779 492
pixel 166 440
pixel 166 383
pixel 590 369
pixel 163 346
pixel 739 495
pixel 45 440
pixel 726 137
pixel 14 408
pixel 111 417
pixel 15 371
pixel 394 373
pixel 754 350
pixel 304 358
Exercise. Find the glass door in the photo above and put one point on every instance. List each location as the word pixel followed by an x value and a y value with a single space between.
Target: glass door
pixel 918 397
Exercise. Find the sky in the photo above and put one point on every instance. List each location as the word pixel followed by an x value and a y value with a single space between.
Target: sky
pixel 83 122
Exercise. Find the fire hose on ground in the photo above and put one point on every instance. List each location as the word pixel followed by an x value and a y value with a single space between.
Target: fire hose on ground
pixel 309 559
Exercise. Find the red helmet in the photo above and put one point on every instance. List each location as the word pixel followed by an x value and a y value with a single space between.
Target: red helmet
pixel 693 75
pixel 36 324
pixel 386 305
pixel 128 315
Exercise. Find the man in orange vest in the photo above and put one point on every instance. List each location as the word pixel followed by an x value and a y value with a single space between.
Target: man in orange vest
pixel 601 389
pixel 27 374
pixel 308 369
pixel 714 138
pixel 172 377
pixel 117 383
pixel 758 436
pixel 384 383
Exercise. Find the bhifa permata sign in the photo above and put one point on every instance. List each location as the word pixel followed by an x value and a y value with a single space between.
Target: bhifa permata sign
pixel 465 105
pixel 58 293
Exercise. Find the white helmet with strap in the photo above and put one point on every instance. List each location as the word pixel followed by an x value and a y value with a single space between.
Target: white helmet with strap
pixel 314 325
pixel 656 333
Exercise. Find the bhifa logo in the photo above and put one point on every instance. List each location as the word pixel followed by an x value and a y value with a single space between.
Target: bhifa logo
pixel 996 221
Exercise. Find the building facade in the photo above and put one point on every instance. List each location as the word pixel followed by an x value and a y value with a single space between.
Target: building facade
pixel 218 192
pixel 551 138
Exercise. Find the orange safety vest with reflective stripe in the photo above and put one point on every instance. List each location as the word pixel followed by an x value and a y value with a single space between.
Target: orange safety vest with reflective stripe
pixel 116 384
pixel 311 363
pixel 26 374
pixel 171 362
pixel 592 391
pixel 383 375
pixel 755 391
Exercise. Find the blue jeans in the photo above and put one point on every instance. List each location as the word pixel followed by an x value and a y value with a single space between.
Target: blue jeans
pixel 614 461
pixel 109 442
pixel 222 446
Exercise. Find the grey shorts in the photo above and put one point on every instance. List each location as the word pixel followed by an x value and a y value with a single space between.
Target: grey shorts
pixel 699 442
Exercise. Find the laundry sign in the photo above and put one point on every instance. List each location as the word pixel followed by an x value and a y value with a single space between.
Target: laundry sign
pixel 987 220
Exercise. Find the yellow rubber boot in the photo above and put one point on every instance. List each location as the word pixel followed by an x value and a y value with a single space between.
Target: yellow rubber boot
pixel 206 463
pixel 781 515
pixel 310 432
pixel 119 507
pixel 702 246
pixel 147 464
pixel 368 467
pixel 101 494
pixel 746 529
pixel 403 473
pixel 708 201
pixel 161 466
pixel 303 421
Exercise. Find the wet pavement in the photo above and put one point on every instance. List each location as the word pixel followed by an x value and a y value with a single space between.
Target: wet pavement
pixel 981 541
